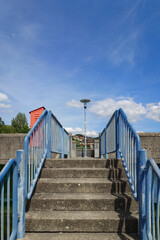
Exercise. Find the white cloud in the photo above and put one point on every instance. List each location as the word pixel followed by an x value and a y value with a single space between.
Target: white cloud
pixel 153 111
pixel 3 97
pixel 3 105
pixel 106 108
pixel 74 103
pixel 80 131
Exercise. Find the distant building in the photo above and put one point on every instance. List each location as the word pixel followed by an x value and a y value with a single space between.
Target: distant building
pixel 35 114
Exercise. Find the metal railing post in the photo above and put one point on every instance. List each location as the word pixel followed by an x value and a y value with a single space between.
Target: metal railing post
pixel 106 155
pixel 21 194
pixel 62 153
pixel 49 135
pixel 117 134
pixel 141 193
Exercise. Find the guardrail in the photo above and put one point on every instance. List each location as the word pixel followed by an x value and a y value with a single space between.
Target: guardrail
pixel 9 200
pixel 120 137
pixel 152 185
pixel 144 176
pixel 46 136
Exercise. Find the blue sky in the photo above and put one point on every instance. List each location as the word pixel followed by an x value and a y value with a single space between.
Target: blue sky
pixel 55 52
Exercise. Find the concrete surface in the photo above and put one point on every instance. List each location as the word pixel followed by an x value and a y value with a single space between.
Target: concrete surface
pixel 81 236
pixel 9 144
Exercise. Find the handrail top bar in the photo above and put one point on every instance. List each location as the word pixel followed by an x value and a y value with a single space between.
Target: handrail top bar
pixel 6 168
pixel 35 125
pixel 103 131
pixel 133 131
pixel 152 163
pixel 66 131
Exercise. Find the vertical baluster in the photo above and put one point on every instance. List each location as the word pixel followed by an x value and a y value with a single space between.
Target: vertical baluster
pixel 135 163
pixel 34 153
pixel 2 210
pixel 29 162
pixel 152 204
pixel 32 160
pixel 148 202
pixel 8 205
pixel 132 161
pixel 39 142
pixel 157 213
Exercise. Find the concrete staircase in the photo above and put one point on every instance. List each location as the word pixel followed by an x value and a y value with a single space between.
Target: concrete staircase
pixel 82 199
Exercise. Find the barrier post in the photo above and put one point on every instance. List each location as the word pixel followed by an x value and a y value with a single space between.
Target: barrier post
pixel 117 134
pixel 141 193
pixel 49 135
pixel 21 194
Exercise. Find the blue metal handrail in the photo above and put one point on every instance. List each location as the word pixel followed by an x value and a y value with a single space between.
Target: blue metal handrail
pixel 35 146
pixel 128 146
pixel 143 175
pixel 119 136
pixel 152 208
pixel 5 175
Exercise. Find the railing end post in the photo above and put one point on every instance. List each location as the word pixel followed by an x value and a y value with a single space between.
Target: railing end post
pixel 49 135
pixel 21 194
pixel 117 134
pixel 142 158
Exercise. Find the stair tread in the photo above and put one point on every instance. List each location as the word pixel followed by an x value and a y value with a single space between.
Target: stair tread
pixel 79 180
pixel 81 236
pixel 80 196
pixel 79 215
pixel 81 169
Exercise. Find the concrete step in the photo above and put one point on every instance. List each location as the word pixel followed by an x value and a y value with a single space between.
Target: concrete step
pixel 82 202
pixel 82 185
pixel 83 163
pixel 80 221
pixel 111 173
pixel 81 236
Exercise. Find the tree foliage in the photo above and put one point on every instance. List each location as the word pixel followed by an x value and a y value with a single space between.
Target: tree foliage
pixel 20 123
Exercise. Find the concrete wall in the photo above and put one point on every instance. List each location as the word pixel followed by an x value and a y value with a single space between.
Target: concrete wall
pixel 151 142
pixel 9 144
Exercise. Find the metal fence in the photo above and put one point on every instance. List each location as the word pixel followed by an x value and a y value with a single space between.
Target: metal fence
pixel 143 175
pixel 152 201
pixel 9 200
pixel 46 136
pixel 129 145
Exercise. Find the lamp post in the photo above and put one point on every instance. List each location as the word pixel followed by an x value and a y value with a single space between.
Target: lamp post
pixel 85 101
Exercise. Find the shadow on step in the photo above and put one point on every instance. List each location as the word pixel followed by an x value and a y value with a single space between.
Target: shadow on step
pixel 125 205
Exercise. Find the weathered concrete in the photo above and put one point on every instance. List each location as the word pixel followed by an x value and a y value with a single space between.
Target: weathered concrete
pixel 80 152
pixel 73 201
pixel 81 221
pixel 9 144
pixel 83 163
pixel 85 185
pixel 81 236
pixel 82 202
pixel 116 173
pixel 151 142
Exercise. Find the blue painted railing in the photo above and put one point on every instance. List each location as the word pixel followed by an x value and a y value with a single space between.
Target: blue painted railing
pixel 9 218
pixel 46 136
pixel 152 186
pixel 144 176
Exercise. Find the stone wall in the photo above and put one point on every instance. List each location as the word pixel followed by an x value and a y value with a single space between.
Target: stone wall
pixel 151 142
pixel 9 144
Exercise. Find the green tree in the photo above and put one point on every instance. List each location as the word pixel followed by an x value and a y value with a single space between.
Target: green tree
pixel 1 122
pixel 20 123
pixel 7 129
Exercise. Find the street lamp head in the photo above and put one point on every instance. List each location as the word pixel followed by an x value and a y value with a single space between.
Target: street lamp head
pixel 85 101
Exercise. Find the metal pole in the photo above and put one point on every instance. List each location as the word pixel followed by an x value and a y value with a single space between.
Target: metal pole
pixel 85 149
pixel 85 101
